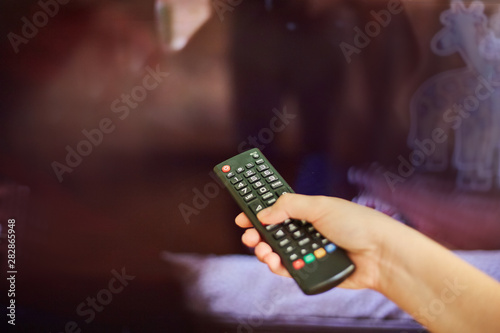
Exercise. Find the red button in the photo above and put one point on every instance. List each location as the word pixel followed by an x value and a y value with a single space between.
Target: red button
pixel 298 264
pixel 226 168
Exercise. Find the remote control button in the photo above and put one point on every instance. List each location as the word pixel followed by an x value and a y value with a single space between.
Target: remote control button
pixel 284 242
pixel 249 165
pixel 267 195
pixel 330 248
pixel 287 221
pixel 309 258
pixel 264 190
pixel 294 257
pixel 279 234
pixel 259 161
pixel 303 222
pixel 282 191
pixel 298 264
pixel 263 167
pixel 255 155
pixel 241 185
pixel 244 191
pixel 249 173
pixel 253 179
pixel 240 170
pixel 320 253
pixel 271 179
pixel 292 227
pixel 236 179
pixel 256 206
pixel 276 184
pixel 303 252
pixel 266 173
pixel 270 202
pixel 290 249
pixel 249 197
pixel 271 227
pixel 230 175
pixel 316 235
pixel 297 234
pixel 258 184
pixel 311 229
pixel 304 241
pixel 226 168
pixel 324 241
pixel 315 246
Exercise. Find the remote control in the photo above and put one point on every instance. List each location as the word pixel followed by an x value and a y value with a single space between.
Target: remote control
pixel 315 263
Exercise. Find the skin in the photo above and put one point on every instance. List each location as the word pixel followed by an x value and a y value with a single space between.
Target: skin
pixel 438 289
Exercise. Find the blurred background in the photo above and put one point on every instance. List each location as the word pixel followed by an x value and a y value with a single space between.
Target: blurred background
pixel 113 114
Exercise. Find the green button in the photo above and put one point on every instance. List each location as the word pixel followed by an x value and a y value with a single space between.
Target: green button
pixel 309 258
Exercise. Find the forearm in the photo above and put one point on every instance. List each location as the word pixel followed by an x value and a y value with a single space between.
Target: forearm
pixel 426 280
pixel 438 289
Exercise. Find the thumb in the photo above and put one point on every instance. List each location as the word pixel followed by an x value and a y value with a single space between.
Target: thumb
pixel 295 206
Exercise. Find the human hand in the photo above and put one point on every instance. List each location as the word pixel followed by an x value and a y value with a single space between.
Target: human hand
pixel 361 231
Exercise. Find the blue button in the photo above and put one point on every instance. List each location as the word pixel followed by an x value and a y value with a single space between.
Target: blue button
pixel 330 248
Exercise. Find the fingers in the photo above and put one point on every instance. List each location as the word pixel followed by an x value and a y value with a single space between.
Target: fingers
pixel 265 254
pixel 251 238
pixel 263 251
pixel 242 221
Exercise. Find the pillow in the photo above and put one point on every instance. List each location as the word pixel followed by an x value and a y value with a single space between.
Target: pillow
pixel 240 290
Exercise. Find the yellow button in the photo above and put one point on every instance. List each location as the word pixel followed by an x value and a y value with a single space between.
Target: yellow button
pixel 319 253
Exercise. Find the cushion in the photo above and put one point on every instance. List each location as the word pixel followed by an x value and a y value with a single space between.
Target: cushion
pixel 240 290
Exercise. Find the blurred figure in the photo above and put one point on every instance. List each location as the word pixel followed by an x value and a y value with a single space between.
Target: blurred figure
pixel 359 112
pixel 287 54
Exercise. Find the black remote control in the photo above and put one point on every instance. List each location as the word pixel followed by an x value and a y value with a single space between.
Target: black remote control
pixel 315 263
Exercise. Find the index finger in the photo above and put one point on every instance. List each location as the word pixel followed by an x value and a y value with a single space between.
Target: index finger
pixel 243 221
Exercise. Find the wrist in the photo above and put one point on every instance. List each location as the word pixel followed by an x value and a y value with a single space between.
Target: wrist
pixel 396 246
